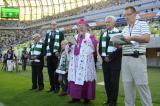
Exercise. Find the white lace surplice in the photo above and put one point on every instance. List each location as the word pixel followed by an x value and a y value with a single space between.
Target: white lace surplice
pixel 82 67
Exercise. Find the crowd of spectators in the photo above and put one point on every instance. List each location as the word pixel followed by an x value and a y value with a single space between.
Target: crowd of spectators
pixel 67 13
pixel 13 37
pixel 10 23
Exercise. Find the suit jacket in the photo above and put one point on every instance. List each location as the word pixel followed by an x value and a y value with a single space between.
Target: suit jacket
pixel 52 41
pixel 114 57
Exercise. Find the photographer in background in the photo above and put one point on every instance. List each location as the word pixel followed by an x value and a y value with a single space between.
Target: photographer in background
pixel 24 58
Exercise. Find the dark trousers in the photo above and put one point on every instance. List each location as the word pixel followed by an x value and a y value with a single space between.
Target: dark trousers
pixel 111 81
pixel 52 63
pixel 4 66
pixel 63 82
pixel 37 75
pixel 24 63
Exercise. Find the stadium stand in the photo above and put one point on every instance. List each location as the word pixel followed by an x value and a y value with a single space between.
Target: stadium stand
pixel 17 31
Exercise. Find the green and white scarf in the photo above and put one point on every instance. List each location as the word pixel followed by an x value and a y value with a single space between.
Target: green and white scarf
pixel 48 49
pixel 63 61
pixel 36 49
pixel 110 48
pixel 56 43
pixel 103 43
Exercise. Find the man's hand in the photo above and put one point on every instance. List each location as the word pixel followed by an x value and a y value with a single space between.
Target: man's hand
pixel 117 45
pixel 33 57
pixel 106 59
pixel 56 54
pixel 127 39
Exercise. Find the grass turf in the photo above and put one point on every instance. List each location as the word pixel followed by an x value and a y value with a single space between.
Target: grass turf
pixel 14 90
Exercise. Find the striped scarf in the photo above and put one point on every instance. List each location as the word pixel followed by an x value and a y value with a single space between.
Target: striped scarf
pixel 56 43
pixel 105 38
pixel 63 61
pixel 36 48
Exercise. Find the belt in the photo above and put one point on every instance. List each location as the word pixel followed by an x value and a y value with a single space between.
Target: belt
pixel 36 60
pixel 134 54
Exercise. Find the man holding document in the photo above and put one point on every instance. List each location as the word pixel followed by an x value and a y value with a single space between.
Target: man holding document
pixel 111 55
pixel 134 66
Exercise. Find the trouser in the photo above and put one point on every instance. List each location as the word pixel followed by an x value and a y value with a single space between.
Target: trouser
pixel 24 62
pixel 134 75
pixel 130 94
pixel 10 65
pixel 4 66
pixel 52 63
pixel 111 81
pixel 37 75
pixel 95 61
pixel 63 82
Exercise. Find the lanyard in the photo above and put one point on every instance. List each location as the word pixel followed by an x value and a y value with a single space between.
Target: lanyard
pixel 130 29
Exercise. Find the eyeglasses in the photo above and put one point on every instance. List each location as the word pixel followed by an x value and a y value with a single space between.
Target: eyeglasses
pixel 53 24
pixel 107 22
pixel 129 14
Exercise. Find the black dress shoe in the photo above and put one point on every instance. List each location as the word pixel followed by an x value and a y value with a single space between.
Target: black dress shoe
pixel 40 89
pixel 74 101
pixel 62 94
pixel 86 101
pixel 112 104
pixel 33 88
pixel 56 91
pixel 51 90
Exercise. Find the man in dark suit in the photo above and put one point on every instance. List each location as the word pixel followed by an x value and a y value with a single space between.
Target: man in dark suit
pixel 111 57
pixel 52 50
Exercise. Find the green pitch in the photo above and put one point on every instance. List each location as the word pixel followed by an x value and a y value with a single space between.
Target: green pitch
pixel 14 90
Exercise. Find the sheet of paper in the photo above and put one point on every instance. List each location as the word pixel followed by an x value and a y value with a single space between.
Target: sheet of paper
pixel 111 49
pixel 60 71
pixel 118 39
pixel 71 39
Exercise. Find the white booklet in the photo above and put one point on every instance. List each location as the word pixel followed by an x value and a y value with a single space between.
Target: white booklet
pixel 60 71
pixel 71 39
pixel 117 39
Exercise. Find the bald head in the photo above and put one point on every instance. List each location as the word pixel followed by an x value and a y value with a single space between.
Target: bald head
pixel 53 24
pixel 36 37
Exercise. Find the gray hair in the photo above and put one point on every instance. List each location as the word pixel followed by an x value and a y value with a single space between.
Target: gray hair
pixel 112 17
